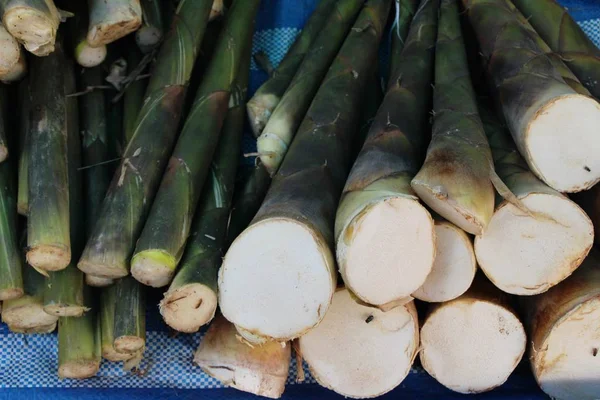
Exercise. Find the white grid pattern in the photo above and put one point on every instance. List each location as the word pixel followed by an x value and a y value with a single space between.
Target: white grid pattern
pixel 592 28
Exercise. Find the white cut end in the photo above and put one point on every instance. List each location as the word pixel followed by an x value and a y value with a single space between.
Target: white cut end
pixel 88 56
pixel 441 204
pixel 48 258
pixel 189 307
pixel 17 72
pixel 277 279
pixel 129 344
pixel 10 51
pixel 29 315
pixel 147 37
pixel 259 110
pixel 360 351
pixel 109 353
pixel 38 330
pixel 567 365
pixel 152 269
pixel 387 251
pixel 454 267
pixel 78 369
pixel 110 31
pixel 471 346
pixel 218 9
pixel 35 29
pixel 98 281
pixel 271 148
pixel 562 143
pixel 10 293
pixel 524 255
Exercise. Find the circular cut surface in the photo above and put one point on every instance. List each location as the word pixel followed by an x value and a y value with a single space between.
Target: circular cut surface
pixel 387 251
pixel 361 359
pixel 189 307
pixel 570 365
pixel 153 267
pixel 471 346
pixel 129 344
pixel 562 142
pixel 276 280
pixel 524 255
pixel 48 257
pixel 454 266
pixel 78 369
pixel 27 316
pixel 88 56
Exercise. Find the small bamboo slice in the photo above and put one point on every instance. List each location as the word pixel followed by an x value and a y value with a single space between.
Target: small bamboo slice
pixel 473 343
pixel 79 353
pixel 111 20
pixel 360 351
pixel 563 330
pixel 33 23
pixel 261 370
pixel 454 267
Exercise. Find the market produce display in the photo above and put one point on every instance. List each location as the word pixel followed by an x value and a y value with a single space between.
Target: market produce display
pixel 434 209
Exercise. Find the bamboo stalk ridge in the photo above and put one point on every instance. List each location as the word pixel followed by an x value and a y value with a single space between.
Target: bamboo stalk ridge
pixel 274 141
pixel 278 277
pixel 111 20
pixel 34 23
pixel 456 178
pixel 473 343
pixel 24 99
pixel 48 231
pixel 152 30
pixel 360 351
pixel 404 12
pixel 382 232
pixel 534 97
pixel 261 370
pixel 538 248
pixel 563 331
pixel 268 95
pixel 135 182
pixel 191 300
pixel 564 36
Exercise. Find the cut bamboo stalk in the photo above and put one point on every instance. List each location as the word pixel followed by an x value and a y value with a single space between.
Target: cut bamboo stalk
pixel 48 241
pixel 382 231
pixel 266 98
pixel 79 353
pixel 278 277
pixel 360 351
pixel 526 252
pixel 33 23
pixel 85 55
pixel 456 178
pixel 152 30
pixel 108 301
pixel 534 98
pixel 130 317
pixel 563 329
pixel 473 343
pixel 454 267
pixel 261 370
pixel 111 20
pixel 133 99
pixel 136 180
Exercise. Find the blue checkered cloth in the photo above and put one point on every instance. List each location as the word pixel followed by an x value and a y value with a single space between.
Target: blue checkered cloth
pixel 28 364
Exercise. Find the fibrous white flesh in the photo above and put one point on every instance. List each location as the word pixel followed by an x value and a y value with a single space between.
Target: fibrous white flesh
pixel 10 51
pixel 471 346
pixel 189 307
pixel 78 369
pixel 527 255
pixel 361 359
pixel 259 111
pixel 568 364
pixel 35 29
pixel 277 279
pixel 48 257
pixel 17 72
pixel 88 56
pixel 562 143
pixel 27 316
pixel 387 251
pixel 454 266
pixel 150 271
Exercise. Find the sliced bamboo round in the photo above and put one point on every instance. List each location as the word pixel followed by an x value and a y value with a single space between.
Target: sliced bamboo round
pixel 188 307
pixel 360 351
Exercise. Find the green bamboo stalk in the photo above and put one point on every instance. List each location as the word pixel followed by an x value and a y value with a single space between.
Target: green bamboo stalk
pixel 379 181
pixel 133 99
pixel 287 250
pixel 152 30
pixel 162 241
pixel 564 36
pixel 3 124
pixel 48 241
pixel 373 97
pixel 79 352
pixel 33 23
pixel 136 180
pixel 111 20
pixel 191 300
pixel 10 51
pixel 115 113
pixel 108 301
pixel 404 12
pixel 64 295
pixel 534 98
pixel 456 178
pixel 24 99
pixel 274 141
pixel 130 317
pixel 11 280
pixel 266 98
pixel 27 311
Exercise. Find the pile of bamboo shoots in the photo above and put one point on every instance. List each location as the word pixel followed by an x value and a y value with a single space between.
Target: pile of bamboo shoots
pixel 447 194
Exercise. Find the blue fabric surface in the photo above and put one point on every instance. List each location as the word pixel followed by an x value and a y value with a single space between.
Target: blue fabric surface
pixel 28 364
